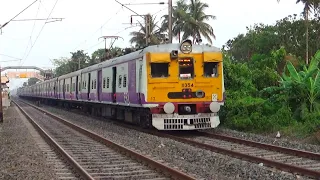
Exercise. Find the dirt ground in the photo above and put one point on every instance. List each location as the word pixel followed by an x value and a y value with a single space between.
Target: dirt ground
pixel 20 156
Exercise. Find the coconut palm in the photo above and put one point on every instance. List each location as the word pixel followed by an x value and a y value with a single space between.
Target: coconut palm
pixel 179 13
pixel 308 6
pixel 139 37
pixel 190 18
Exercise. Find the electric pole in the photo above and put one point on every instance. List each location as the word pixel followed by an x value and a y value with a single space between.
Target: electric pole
pixel 170 20
pixel 148 28
pixel 107 51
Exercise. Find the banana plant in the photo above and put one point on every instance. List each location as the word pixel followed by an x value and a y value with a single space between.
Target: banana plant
pixel 304 84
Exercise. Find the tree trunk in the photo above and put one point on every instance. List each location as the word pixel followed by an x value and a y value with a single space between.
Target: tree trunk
pixel 307 38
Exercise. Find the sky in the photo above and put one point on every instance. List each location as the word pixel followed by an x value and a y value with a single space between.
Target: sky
pixel 36 43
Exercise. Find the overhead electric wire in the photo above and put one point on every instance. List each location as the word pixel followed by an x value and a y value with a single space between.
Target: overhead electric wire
pixel 98 29
pixel 40 31
pixel 123 5
pixel 10 60
pixel 18 14
pixel 113 35
pixel 10 56
pixel 34 23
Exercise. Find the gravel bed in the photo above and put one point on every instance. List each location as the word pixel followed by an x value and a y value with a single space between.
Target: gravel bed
pixel 20 156
pixel 284 142
pixel 202 164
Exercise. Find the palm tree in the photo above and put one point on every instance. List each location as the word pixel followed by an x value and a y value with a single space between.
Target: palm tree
pixel 308 6
pixel 190 18
pixel 179 13
pixel 139 37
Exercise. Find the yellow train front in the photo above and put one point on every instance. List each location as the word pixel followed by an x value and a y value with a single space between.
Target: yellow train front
pixel 185 87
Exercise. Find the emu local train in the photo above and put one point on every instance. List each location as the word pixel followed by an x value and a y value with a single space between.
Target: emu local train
pixel 167 86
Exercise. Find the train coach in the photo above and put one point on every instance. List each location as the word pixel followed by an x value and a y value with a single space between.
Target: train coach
pixel 167 86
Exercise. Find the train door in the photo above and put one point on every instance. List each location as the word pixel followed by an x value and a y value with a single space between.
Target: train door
pixel 140 65
pixel 99 84
pixel 80 86
pixel 64 89
pixel 77 87
pixel 55 89
pixel 114 84
pixel 71 88
pixel 89 85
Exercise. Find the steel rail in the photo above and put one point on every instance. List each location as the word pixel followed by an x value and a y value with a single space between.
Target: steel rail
pixel 53 143
pixel 270 163
pixel 267 162
pixel 300 153
pixel 165 169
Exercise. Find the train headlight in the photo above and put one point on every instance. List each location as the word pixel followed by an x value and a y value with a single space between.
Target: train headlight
pixel 168 108
pixel 214 107
pixel 186 46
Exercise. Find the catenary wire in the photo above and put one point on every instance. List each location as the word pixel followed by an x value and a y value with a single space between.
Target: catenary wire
pixel 40 32
pixel 34 23
pixel 18 14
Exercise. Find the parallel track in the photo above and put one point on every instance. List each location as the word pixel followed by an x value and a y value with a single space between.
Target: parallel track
pixel 290 160
pixel 92 156
pixel 286 159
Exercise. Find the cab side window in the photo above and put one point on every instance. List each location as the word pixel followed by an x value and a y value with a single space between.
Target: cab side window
pixel 210 69
pixel 159 70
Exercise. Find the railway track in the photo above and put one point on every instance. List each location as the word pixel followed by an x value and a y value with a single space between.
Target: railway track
pixel 286 159
pixel 289 160
pixel 92 156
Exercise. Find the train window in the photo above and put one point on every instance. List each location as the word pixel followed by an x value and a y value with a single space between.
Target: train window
pixel 95 84
pixel 210 69
pixel 108 81
pixel 125 80
pixel 120 81
pixel 186 68
pixel 159 69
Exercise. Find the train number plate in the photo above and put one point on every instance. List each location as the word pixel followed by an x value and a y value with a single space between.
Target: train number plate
pixel 187 85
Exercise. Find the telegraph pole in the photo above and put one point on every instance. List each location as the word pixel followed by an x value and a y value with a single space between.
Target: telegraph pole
pixel 170 20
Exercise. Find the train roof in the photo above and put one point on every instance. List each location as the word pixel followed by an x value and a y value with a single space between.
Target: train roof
pixel 138 54
pixel 75 73
pixel 154 48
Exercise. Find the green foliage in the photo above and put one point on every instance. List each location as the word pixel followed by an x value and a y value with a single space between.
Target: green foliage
pixel 260 100
pixel 245 107
pixel 189 18
pixel 32 81
pixel 66 65
pixel 139 37
pixel 288 32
